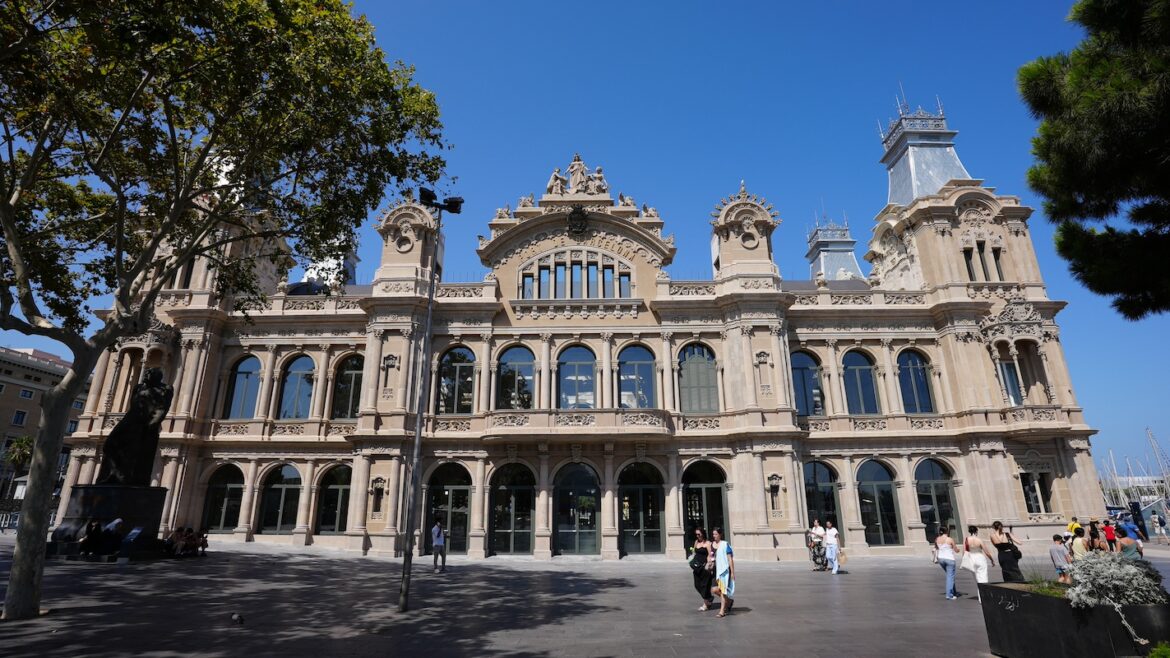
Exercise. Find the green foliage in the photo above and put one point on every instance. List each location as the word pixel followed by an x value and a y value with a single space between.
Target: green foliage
pixel 141 133
pixel 1103 150
pixel 19 452
pixel 1045 587
pixel 1161 651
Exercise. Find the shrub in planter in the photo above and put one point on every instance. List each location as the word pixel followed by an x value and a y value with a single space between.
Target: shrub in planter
pixel 1111 580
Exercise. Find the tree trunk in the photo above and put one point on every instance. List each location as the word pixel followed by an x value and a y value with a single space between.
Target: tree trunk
pixel 23 599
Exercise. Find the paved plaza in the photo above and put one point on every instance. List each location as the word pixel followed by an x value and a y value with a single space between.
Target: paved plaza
pixel 334 604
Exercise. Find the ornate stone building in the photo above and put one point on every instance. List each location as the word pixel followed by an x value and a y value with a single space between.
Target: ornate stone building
pixel 583 402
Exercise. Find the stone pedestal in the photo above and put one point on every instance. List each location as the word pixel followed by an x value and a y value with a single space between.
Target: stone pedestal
pixel 140 509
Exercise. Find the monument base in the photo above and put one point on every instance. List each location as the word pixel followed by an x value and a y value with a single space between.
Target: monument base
pixel 139 508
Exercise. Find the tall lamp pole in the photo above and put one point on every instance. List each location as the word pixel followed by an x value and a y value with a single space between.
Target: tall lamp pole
pixel 452 205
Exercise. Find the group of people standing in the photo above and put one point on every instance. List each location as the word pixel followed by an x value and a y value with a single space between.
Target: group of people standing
pixel 1123 537
pixel 713 565
pixel 976 557
pixel 824 546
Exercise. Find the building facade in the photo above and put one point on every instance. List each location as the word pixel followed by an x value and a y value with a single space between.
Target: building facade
pixel 25 375
pixel 583 402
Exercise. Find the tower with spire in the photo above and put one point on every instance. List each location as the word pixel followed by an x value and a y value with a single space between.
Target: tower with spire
pixel 831 252
pixel 920 155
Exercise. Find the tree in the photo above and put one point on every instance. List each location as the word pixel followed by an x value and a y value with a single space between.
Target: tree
pixel 19 452
pixel 1103 150
pixel 141 134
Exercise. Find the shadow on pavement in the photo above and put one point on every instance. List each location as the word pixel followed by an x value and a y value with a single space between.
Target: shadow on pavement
pixel 297 605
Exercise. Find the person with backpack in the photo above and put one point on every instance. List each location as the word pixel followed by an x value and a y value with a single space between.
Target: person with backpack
pixel 1158 523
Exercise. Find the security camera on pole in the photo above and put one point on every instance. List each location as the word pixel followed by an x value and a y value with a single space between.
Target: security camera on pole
pixel 452 205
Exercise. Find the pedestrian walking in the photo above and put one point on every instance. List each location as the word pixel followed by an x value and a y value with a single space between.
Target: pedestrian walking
pixel 832 546
pixel 1158 523
pixel 724 572
pixel 439 544
pixel 1110 533
pixel 1008 552
pixel 816 546
pixel 703 568
pixel 976 558
pixel 1080 545
pixel 1058 552
pixel 1129 547
pixel 944 554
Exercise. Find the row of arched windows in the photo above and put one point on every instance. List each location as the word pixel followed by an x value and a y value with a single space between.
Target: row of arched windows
pixel 577 383
pixel 859 376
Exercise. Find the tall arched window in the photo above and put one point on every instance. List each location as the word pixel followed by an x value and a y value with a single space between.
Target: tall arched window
pixel 879 512
pixel 698 388
pixel 225 492
pixel 1009 376
pixel 806 384
pixel 347 388
pixel 936 502
pixel 636 378
pixel 243 389
pixel 914 380
pixel 515 379
pixel 297 388
pixel 333 503
pixel 820 491
pixel 576 379
pixel 457 381
pixel 278 504
pixel 860 383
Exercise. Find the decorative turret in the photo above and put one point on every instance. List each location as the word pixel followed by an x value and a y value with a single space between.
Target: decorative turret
pixel 741 240
pixel 830 252
pixel 407 230
pixel 919 154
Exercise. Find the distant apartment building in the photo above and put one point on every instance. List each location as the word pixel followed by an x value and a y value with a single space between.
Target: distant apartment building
pixel 25 375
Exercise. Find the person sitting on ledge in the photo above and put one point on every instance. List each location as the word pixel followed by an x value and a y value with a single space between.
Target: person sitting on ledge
pixel 174 540
pixel 92 541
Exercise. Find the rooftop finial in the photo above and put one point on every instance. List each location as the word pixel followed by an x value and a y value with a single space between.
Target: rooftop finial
pixel 742 187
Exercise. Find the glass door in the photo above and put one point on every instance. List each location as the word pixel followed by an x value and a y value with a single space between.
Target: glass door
pixel 451 505
pixel 512 520
pixel 937 509
pixel 704 506
pixel 641 519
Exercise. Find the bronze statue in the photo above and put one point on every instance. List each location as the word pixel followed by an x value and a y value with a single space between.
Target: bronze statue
pixel 128 455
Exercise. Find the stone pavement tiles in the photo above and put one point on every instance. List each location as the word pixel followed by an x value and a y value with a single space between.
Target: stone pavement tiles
pixel 332 604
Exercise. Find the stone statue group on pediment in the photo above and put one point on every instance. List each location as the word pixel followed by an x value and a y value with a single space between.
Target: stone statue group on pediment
pixel 578 179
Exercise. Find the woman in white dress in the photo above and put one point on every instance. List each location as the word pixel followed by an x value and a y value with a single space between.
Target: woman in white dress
pixel 980 558
pixel 724 572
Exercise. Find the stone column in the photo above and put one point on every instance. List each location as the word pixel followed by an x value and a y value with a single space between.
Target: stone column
pixel 835 391
pixel 674 528
pixel 891 377
pixel 1025 390
pixel 543 546
pixel 790 483
pixel 493 393
pixel 264 406
pixel 796 484
pixel 545 366
pixel 745 342
pixel 179 374
pixel 609 531
pixel 322 379
pixel 170 471
pixel 908 512
pixel 112 389
pixel 372 371
pixel 308 489
pixel 1046 379
pixel 88 469
pixel 71 475
pixel 781 370
pixel 607 392
pixel 248 501
pixel 665 359
pixel 404 393
pixel 487 370
pixel 98 386
pixel 189 365
pixel 760 486
pixel 477 544
pixel 850 509
pixel 433 391
pixel 359 495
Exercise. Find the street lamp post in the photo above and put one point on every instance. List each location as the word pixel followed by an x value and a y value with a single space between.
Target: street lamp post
pixel 452 205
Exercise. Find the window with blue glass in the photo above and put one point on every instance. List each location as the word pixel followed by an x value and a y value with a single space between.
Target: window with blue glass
pixel 515 383
pixel 636 378
pixel 914 380
pixel 806 384
pixel 860 383
pixel 576 379
pixel 296 388
pixel 457 382
pixel 243 389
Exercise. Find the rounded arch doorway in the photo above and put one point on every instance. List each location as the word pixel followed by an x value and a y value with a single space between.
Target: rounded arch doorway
pixel 513 492
pixel 936 501
pixel 577 505
pixel 704 498
pixel 448 500
pixel 641 502
pixel 225 493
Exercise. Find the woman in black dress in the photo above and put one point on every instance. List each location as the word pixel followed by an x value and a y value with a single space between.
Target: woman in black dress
pixel 703 567
pixel 1009 553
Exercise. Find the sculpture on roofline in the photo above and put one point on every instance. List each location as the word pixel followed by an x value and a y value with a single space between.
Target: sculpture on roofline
pixel 526 201
pixel 648 211
pixel 504 213
pixel 625 201
pixel 596 183
pixel 578 175
pixel 556 182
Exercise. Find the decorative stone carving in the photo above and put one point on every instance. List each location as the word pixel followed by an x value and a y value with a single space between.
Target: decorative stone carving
pixel 449 425
pixel 510 420
pixel 596 183
pixel 1078 444
pixel 288 429
pixel 295 304
pixel 556 182
pixel 575 420
pixel 691 289
pixel 232 429
pixel 818 426
pixel 701 423
pixel 459 292
pixel 863 299
pixel 641 419
pixel 348 305
pixel 758 284
pixel 868 424
pixel 342 429
pixel 903 299
pixel 575 452
pixel 926 423
pixel 1043 414
pixel 640 451
pixel 807 300
pixel 625 201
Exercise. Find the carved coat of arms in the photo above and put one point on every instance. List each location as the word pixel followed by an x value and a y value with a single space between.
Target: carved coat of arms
pixel 578 222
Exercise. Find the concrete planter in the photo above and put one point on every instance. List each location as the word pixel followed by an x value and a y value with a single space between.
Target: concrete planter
pixel 1020 623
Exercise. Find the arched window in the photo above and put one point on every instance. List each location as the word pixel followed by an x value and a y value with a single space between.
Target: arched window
pixel 225 491
pixel 914 380
pixel 333 504
pixel 576 508
pixel 576 379
pixel 704 498
pixel 457 381
pixel 449 491
pixel 936 502
pixel 513 498
pixel 636 378
pixel 347 388
pixel 278 505
pixel 297 388
pixel 806 384
pixel 515 379
pixel 698 388
pixel 820 491
pixel 860 384
pixel 879 512
pixel 1009 375
pixel 243 389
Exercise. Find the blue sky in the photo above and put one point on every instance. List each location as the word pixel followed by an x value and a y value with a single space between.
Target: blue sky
pixel 679 101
